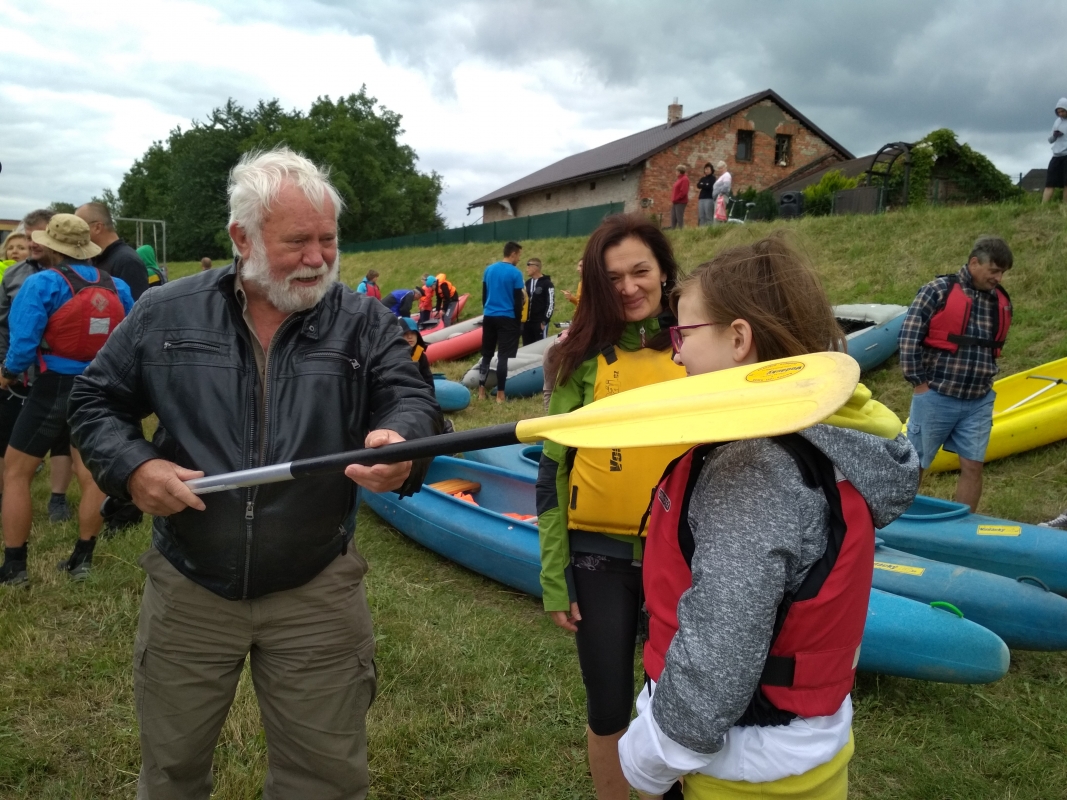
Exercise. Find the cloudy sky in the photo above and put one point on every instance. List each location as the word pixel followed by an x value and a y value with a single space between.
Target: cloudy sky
pixel 491 90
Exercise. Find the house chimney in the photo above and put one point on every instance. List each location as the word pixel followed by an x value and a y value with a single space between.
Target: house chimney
pixel 674 112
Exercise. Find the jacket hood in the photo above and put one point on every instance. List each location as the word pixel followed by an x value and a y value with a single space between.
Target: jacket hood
pixel 865 442
pixel 1062 104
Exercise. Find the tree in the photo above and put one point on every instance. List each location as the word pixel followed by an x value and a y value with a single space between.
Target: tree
pixel 184 179
pixel 61 207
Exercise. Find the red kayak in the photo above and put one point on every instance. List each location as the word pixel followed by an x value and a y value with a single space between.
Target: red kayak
pixel 437 325
pixel 455 341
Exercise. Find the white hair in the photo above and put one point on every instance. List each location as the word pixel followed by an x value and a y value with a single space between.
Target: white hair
pixel 260 175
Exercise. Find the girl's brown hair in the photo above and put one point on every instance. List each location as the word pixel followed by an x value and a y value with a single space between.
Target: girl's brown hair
pixel 12 237
pixel 773 286
pixel 600 318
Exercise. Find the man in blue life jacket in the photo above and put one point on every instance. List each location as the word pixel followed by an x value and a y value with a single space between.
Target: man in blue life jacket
pixel 949 345
pixel 60 318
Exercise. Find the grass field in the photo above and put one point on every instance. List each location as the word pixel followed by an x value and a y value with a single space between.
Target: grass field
pixel 479 695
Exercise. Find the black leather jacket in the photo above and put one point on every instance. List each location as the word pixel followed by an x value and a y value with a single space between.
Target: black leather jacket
pixel 184 353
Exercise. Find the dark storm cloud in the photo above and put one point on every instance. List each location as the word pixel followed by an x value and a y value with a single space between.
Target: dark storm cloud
pixel 866 72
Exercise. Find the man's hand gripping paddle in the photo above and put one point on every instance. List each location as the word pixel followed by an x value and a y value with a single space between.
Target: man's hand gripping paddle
pixel 766 399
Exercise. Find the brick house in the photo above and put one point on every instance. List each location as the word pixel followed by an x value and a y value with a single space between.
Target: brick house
pixel 761 138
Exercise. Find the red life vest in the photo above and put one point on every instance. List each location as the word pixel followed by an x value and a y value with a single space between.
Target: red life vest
pixel 817 633
pixel 948 327
pixel 79 328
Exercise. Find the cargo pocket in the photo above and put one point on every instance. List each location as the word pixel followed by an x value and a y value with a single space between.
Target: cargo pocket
pixel 368 674
pixel 140 663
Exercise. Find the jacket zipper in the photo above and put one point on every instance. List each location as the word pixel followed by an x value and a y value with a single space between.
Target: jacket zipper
pixel 332 355
pixel 641 330
pixel 250 501
pixel 190 344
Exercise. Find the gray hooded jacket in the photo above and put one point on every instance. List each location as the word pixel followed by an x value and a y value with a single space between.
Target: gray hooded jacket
pixel 758 529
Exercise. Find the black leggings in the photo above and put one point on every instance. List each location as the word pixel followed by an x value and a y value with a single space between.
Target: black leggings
pixel 609 600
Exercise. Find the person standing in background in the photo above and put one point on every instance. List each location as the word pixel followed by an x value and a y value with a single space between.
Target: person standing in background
pixel 576 295
pixel 447 298
pixel 503 298
pixel 949 345
pixel 723 187
pixel 156 276
pixel 12 399
pixel 542 300
pixel 368 286
pixel 1057 167
pixel 679 198
pixel 706 199
pixel 116 258
pixel 205 264
pixel 426 295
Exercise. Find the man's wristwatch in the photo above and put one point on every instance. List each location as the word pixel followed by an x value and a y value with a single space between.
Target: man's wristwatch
pixel 8 374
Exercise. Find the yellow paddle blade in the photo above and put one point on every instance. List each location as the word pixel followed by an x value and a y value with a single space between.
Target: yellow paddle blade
pixel 766 399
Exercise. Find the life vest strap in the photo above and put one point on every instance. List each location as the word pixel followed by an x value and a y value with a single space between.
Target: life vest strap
pixel 778 671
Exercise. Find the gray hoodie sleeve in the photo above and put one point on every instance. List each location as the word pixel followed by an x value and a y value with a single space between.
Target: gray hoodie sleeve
pixel 757 529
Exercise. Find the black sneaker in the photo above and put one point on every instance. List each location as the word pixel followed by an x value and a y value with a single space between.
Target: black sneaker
pixel 58 510
pixel 1059 522
pixel 13 573
pixel 79 565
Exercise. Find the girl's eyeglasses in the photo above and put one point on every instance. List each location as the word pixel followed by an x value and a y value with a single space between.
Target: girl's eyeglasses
pixel 676 333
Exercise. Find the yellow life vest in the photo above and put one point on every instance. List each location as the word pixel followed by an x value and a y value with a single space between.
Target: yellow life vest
pixel 417 351
pixel 610 488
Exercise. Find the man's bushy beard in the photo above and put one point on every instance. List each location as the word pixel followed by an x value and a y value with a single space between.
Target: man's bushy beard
pixel 286 295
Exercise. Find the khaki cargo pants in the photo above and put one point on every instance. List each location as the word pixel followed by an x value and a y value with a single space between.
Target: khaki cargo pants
pixel 311 651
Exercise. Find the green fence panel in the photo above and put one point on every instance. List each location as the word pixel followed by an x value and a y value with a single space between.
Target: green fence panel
pixel 479 233
pixel 575 222
pixel 515 229
pixel 426 239
pixel 548 226
pixel 451 236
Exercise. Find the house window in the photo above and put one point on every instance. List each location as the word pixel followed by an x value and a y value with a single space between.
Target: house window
pixel 744 145
pixel 783 150
pixel 592 185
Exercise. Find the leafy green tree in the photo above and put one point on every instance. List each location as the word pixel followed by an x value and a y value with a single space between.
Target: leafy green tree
pixel 819 197
pixel 183 180
pixel 60 207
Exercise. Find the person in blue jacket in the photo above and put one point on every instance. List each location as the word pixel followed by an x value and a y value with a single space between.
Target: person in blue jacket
pixel 61 316
pixel 399 301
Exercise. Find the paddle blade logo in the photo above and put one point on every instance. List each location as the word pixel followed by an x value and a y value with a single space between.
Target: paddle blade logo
pixel 774 372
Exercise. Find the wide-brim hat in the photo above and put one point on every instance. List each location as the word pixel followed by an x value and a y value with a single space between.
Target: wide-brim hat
pixel 69 235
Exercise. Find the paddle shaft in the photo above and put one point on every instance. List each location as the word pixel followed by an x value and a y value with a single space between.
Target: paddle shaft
pixel 428 447
pixel 1055 382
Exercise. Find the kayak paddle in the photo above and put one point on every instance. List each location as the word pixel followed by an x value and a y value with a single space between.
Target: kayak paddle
pixel 749 402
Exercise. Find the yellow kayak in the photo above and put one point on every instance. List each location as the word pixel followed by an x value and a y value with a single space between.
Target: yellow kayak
pixel 1029 412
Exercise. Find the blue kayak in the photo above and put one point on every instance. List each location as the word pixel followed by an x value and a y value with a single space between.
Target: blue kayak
pixel 522 459
pixel 902 638
pixel 451 396
pixel 871 331
pixel 1025 616
pixel 915 640
pixel 948 531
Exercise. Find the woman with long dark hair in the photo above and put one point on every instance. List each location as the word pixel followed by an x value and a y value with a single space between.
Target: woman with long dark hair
pixel 590 502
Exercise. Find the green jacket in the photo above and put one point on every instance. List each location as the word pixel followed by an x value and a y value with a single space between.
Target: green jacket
pixel 576 392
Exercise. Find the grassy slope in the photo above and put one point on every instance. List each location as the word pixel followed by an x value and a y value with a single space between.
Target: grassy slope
pixel 479 694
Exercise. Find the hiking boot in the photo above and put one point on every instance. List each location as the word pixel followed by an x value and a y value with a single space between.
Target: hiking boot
pixel 1059 522
pixel 13 573
pixel 80 563
pixel 58 510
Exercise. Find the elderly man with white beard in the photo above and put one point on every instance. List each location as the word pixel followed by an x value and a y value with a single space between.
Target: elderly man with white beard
pixel 268 360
